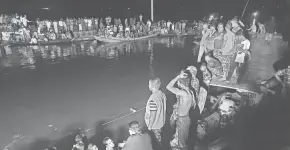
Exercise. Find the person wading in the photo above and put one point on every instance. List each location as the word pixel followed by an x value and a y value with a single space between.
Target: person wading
pixel 155 109
pixel 183 121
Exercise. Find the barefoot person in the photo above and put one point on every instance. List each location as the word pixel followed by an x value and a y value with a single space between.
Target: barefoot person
pixel 155 109
pixel 186 101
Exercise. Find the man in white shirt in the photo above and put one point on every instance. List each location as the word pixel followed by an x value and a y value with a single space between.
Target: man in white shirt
pixel 89 24
pixel 243 51
pixel 55 27
pixel 48 25
pixel 24 21
pixel 60 23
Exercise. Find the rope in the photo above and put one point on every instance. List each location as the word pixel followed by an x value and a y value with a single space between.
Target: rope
pixel 124 116
pixel 245 8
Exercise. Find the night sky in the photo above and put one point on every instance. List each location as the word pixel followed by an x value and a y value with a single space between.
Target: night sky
pixel 164 9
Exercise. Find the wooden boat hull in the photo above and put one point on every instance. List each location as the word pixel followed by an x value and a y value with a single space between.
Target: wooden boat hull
pixel 64 41
pixel 119 40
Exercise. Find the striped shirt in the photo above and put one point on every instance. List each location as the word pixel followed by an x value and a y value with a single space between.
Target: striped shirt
pixel 152 105
pixel 157 103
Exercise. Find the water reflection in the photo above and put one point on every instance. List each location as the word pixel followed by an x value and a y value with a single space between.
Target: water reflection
pixel 30 56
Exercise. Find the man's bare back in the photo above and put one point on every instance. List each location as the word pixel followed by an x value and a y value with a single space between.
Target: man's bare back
pixel 185 103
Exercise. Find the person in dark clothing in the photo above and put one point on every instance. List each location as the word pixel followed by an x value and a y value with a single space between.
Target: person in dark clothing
pixel 137 140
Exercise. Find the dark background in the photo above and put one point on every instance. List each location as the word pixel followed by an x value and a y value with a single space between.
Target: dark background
pixel 164 9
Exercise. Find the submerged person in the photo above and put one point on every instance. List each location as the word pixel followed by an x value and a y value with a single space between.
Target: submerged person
pixel 137 140
pixel 155 109
pixel 185 103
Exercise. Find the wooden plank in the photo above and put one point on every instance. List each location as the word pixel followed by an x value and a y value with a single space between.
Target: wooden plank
pixel 231 86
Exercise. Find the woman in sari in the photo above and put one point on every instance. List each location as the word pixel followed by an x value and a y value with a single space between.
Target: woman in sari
pixel 223 48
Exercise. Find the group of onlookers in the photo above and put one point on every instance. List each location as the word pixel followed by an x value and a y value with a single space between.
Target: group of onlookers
pixel 225 47
pixel 18 28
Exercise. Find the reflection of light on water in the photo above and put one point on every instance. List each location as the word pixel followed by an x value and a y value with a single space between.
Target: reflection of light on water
pixel 58 49
pixel 82 46
pixel 42 52
pixel 128 48
pixel 171 42
pixel 122 49
pixel 8 50
pixel 92 50
pixel 111 53
pixel 52 54
pixel 103 53
pixel 150 45
pixel 28 58
pixel 73 51
pixel 66 53
pixel 151 62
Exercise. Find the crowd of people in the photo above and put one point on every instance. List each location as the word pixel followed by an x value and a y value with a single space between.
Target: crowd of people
pixel 18 28
pixel 223 51
pixel 225 48
pixel 191 98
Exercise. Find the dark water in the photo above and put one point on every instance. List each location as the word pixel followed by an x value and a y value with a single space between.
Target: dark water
pixel 87 84
pixel 77 85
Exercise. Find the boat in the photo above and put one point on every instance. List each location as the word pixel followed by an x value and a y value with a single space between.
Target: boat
pixel 215 127
pixel 53 42
pixel 119 40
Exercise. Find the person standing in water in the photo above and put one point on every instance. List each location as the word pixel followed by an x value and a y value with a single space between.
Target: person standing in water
pixel 186 102
pixel 155 109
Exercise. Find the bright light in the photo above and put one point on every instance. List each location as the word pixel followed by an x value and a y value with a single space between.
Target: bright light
pixel 45 8
pixel 255 14
pixel 211 17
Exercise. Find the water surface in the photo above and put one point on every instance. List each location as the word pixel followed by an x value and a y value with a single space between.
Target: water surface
pixel 76 85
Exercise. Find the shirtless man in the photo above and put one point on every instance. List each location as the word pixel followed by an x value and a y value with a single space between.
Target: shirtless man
pixel 185 102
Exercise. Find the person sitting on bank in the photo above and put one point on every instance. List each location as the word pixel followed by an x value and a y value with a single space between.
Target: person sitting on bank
pixel 137 140
pixel 33 40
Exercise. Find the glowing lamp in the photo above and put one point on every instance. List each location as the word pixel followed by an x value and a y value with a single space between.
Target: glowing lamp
pixel 255 14
pixel 211 17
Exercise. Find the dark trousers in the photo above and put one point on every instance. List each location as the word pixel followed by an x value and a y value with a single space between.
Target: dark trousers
pixel 233 66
